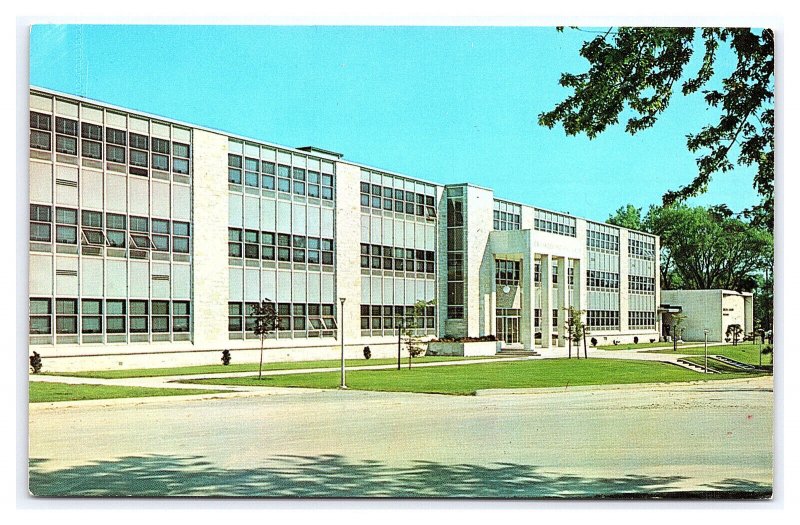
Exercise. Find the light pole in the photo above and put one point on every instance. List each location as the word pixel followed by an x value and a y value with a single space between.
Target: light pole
pixel 705 345
pixel 341 340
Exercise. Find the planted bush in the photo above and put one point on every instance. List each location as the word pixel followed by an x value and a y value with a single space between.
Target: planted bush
pixel 226 357
pixel 36 363
pixel 367 352
pixel 593 341
pixel 635 340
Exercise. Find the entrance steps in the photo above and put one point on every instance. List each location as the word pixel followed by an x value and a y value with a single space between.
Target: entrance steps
pixel 517 352
pixel 733 362
pixel 695 367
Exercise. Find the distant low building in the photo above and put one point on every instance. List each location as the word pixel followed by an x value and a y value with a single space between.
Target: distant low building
pixel 714 310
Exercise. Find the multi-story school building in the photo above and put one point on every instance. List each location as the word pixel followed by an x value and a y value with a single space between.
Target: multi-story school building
pixel 150 239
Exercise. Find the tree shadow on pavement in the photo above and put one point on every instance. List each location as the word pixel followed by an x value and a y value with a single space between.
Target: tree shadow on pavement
pixel 336 476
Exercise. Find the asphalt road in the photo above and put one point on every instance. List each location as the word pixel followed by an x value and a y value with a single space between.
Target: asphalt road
pixel 666 440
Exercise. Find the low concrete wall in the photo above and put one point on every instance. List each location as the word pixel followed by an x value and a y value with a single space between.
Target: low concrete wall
pixel 463 349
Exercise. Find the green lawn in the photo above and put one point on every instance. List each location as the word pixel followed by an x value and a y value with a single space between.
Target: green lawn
pixel 247 367
pixel 744 353
pixel 632 346
pixel 42 392
pixel 466 379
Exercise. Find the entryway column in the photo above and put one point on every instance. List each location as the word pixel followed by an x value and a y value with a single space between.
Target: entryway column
pixel 545 266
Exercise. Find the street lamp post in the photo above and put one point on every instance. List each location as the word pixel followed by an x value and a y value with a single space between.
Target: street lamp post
pixel 705 345
pixel 341 340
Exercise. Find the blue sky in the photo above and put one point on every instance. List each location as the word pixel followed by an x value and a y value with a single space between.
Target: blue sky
pixel 446 104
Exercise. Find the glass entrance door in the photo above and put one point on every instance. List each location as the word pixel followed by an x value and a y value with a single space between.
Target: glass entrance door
pixel 507 322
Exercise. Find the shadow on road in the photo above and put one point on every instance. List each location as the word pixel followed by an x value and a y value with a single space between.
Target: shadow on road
pixel 336 476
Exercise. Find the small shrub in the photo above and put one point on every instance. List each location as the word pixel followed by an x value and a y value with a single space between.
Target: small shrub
pixel 367 352
pixel 226 357
pixel 615 341
pixel 36 363
pixel 593 341
pixel 652 340
pixel 635 340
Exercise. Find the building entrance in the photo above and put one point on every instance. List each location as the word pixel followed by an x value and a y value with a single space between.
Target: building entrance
pixel 507 320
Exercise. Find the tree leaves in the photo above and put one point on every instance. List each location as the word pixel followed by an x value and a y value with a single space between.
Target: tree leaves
pixel 636 70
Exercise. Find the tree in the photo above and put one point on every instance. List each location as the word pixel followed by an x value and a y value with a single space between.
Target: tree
pixel 708 248
pixel 265 322
pixel 635 70
pixel 628 216
pixel 677 321
pixel 413 323
pixel 734 332
pixel 575 330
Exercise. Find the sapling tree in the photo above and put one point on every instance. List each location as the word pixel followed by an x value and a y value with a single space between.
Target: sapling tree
pixel 734 331
pixel 575 329
pixel 413 322
pixel 36 363
pixel 265 322
pixel 677 321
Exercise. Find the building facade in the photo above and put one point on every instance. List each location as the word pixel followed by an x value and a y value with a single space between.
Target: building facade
pixel 151 240
pixel 712 310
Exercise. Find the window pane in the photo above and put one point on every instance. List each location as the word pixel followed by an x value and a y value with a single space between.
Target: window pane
pixel 138 307
pixel 40 306
pixel 67 234
pixel 91 325
pixel 160 324
pixel 40 232
pixel 66 325
pixel 68 145
pixel 91 149
pixel 180 228
pixel 180 308
pixel 180 244
pixel 91 306
pixel 115 306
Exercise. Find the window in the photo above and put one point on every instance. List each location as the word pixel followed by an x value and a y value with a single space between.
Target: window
pixel 115 153
pixel 160 162
pixel 41 219
pixel 91 131
pixel 160 146
pixel 68 145
pixel 251 247
pixel 139 224
pixel 115 316
pixel 234 242
pixel 139 141
pixel 66 316
pixel 235 317
pixel 160 316
pixel 91 316
pixel 138 158
pixel 180 237
pixel 92 219
pixel 66 126
pixel 138 316
pixel 65 233
pixel 180 316
pixel 91 150
pixel 160 234
pixel 555 274
pixel 115 230
pixel 555 317
pixel 116 136
pixel 40 140
pixel 40 320
pixel 554 223
pixel 40 121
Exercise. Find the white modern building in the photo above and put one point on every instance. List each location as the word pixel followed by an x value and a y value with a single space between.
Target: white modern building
pixel 150 239
pixel 712 310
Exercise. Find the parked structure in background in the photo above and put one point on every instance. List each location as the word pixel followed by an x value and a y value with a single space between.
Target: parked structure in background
pixel 152 240
pixel 714 310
